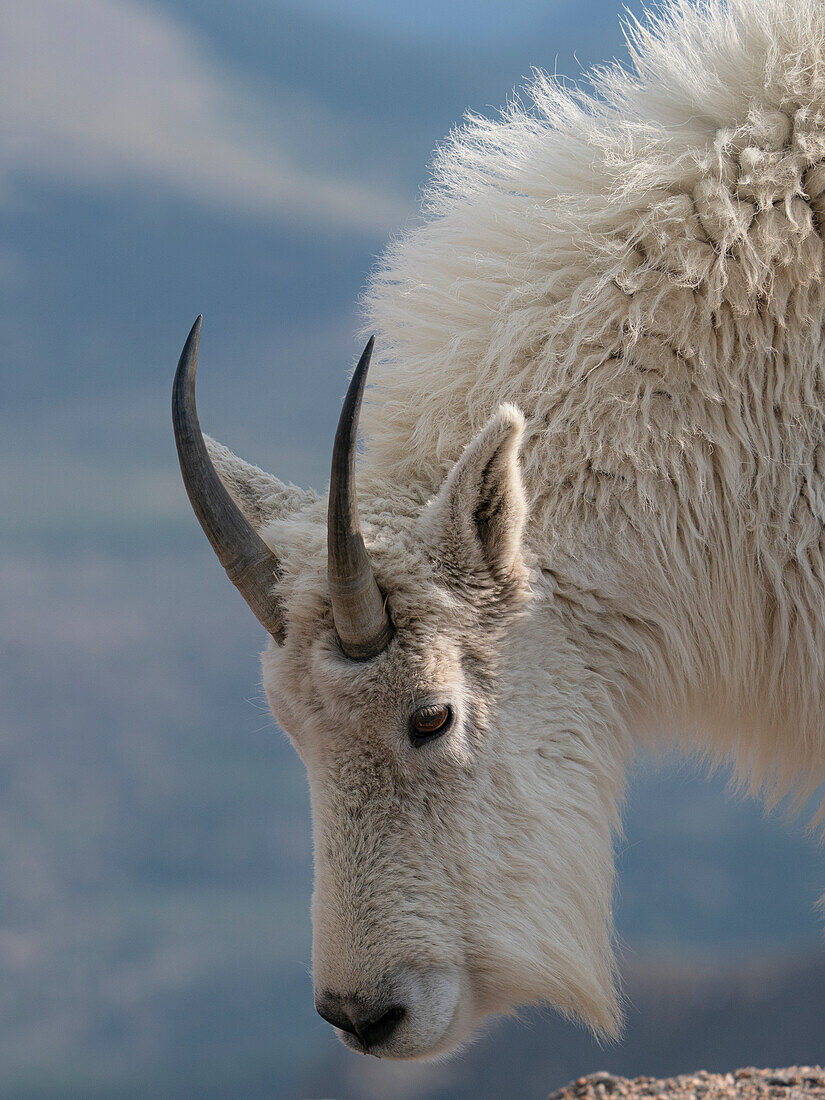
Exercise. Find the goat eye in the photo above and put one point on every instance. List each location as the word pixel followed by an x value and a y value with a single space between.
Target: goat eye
pixel 430 721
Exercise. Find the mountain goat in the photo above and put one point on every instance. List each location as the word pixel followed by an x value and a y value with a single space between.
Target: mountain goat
pixel 592 504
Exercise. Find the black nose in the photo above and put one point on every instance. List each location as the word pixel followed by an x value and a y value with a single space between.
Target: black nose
pixel 370 1023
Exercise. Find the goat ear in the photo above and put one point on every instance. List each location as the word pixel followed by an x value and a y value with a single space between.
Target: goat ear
pixel 260 496
pixel 474 526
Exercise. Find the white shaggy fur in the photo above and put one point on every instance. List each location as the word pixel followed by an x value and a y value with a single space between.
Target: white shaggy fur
pixel 641 273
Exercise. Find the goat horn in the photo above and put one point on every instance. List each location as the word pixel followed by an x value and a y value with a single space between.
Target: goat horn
pixel 248 561
pixel 358 608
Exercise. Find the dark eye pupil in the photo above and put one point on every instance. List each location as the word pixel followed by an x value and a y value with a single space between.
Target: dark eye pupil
pixel 430 719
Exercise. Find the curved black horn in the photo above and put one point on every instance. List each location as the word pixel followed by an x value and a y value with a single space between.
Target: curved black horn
pixel 358 608
pixel 248 561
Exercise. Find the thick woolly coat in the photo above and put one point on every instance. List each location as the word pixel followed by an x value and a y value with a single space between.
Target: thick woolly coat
pixel 641 272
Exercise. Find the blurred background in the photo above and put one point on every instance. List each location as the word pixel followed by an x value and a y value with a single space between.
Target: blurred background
pixel 249 160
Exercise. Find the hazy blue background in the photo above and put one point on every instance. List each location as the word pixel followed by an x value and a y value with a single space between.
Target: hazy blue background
pixel 248 160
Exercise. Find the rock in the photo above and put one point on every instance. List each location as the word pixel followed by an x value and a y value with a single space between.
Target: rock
pixel 791 1083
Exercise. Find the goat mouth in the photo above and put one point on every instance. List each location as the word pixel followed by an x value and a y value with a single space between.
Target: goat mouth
pixel 364 1040
pixel 429 1022
pixel 420 1033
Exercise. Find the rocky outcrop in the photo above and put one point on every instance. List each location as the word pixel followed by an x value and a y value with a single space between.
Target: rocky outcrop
pixel 793 1083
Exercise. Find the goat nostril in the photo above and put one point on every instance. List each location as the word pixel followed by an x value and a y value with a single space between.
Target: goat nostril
pixel 373 1032
pixel 371 1027
pixel 335 1015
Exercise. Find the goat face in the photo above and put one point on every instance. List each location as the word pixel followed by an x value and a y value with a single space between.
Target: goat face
pixel 461 834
